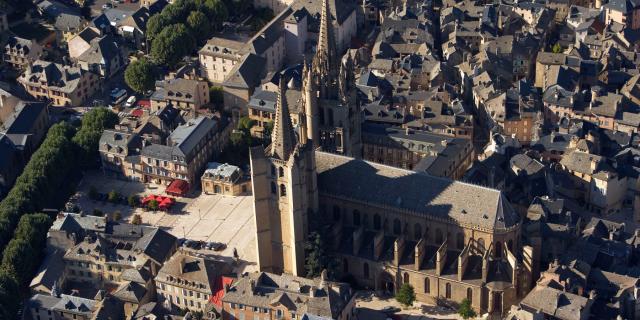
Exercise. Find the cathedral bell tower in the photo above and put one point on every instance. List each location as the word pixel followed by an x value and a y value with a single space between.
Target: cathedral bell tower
pixel 285 193
pixel 330 96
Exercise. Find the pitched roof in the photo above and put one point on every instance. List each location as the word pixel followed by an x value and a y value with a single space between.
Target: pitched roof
pixel 420 193
pixel 283 139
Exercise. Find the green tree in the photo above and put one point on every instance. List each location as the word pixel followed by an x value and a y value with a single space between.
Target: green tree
pixel 152 205
pixel 87 138
pixel 199 25
pixel 217 11
pixel 18 260
pixel 406 295
pixel 465 310
pixel 113 196
pixel 137 219
pixel 9 298
pixel 140 75
pixel 171 45
pixel 117 216
pixel 156 23
pixel 557 48
pixel 316 258
pixel 133 200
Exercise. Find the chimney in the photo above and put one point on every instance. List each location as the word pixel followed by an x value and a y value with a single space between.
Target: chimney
pixel 182 262
pixel 312 291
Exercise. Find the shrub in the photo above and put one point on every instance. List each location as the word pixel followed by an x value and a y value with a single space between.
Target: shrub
pixel 133 200
pixel 117 216
pixel 406 295
pixel 137 219
pixel 113 196
pixel 465 310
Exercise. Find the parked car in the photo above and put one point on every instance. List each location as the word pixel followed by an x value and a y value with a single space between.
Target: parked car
pixel 390 309
pixel 181 241
pixel 187 243
pixel 107 6
pixel 118 95
pixel 131 101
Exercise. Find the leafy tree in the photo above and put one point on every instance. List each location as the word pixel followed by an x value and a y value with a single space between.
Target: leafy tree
pixel 406 295
pixel 316 255
pixel 9 299
pixel 199 25
pixel 261 17
pixel 557 48
pixel 171 45
pixel 18 260
pixel 117 216
pixel 87 138
pixel 465 310
pixel 245 124
pixel 133 200
pixel 216 96
pixel 33 228
pixel 152 205
pixel 156 23
pixel 217 11
pixel 137 219
pixel 113 196
pixel 140 75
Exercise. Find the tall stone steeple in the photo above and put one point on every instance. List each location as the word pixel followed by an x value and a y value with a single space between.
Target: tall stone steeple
pixel 283 139
pixel 325 62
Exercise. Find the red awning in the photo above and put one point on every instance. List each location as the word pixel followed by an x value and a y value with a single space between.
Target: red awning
pixel 148 198
pixel 144 104
pixel 218 290
pixel 178 188
pixel 137 113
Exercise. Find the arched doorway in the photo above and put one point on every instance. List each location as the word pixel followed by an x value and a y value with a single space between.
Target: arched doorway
pixel 387 284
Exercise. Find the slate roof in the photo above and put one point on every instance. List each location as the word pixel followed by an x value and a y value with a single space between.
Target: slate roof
pixel 57 76
pixel 130 292
pixel 556 303
pixel 157 244
pixel 203 271
pixel 291 292
pixel 75 304
pixel 417 192
pixel 101 51
pixel 247 73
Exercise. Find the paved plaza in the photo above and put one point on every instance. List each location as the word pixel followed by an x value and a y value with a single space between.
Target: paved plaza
pixel 203 217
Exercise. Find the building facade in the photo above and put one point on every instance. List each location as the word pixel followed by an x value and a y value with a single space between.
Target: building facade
pixel 63 85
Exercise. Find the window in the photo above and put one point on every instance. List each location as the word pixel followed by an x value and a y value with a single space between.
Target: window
pixel 397 228
pixel 510 245
pixel 470 295
pixel 376 221
pixel 427 285
pixel 365 270
pixel 283 190
pixel 273 188
pixel 439 237
pixel 356 217
pixel 417 231
pixel 280 172
pixel 448 291
pixel 405 278
pixel 498 252
pixel 460 241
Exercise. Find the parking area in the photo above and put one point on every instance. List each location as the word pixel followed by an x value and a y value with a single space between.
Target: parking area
pixel 210 218
pixel 125 5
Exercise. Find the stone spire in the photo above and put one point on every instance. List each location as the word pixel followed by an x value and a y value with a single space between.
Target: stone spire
pixel 283 139
pixel 324 64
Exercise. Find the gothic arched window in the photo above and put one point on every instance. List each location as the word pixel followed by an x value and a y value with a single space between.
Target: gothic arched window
pixel 283 190
pixel 397 228
pixel 356 217
pixel 274 189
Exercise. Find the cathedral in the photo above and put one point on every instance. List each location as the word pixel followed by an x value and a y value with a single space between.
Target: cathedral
pixel 449 239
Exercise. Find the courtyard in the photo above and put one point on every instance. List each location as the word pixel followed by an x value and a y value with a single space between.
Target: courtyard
pixel 211 218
